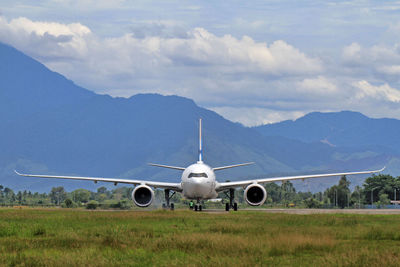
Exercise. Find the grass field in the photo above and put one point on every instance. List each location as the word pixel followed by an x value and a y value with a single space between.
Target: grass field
pixel 45 237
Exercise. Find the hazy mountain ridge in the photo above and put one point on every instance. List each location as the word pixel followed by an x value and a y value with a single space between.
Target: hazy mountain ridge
pixel 51 125
pixel 346 128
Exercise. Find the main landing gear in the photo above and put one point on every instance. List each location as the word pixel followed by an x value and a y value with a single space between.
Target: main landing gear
pixel 168 197
pixel 231 203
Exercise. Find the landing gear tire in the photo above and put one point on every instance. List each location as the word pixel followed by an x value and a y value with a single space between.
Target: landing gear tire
pixel 226 206
pixel 195 208
pixel 235 206
pixel 200 207
pixel 172 206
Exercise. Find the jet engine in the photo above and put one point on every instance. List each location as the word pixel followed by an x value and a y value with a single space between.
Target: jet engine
pixel 142 195
pixel 255 194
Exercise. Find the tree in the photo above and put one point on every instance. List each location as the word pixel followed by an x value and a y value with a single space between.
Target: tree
pixel 57 195
pixel 288 192
pixel 9 195
pixel 68 203
pixel 378 185
pixel 19 197
pixel 81 195
pixel 273 192
pixel 122 192
pixel 102 190
pixel 357 198
pixel 312 203
pixel 92 205
pixel 384 199
pixel 101 197
pixel 340 193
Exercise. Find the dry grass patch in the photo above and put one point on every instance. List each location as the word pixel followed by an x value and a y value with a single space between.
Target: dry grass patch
pixel 183 238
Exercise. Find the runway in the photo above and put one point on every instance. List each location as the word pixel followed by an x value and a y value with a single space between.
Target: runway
pixel 317 211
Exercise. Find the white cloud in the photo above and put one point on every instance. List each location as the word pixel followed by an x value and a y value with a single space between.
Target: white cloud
pixel 89 4
pixel 379 63
pixel 52 28
pixel 374 56
pixel 256 116
pixel 45 39
pixel 319 86
pixel 389 69
pixel 198 47
pixel 383 92
pixel 243 78
pixel 152 62
pixel 352 52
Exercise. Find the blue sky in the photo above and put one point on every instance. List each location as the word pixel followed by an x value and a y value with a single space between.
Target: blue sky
pixel 251 61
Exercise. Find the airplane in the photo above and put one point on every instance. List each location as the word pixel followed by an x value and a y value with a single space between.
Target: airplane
pixel 198 182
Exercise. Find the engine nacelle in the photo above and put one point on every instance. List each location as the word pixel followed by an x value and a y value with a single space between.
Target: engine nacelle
pixel 255 194
pixel 142 195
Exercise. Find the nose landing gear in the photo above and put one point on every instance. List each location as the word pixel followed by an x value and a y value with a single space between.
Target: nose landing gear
pixel 198 206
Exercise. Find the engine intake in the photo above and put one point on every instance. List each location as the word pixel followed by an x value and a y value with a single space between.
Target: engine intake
pixel 255 194
pixel 142 195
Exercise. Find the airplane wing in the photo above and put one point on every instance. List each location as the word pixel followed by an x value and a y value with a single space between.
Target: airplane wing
pixel 228 185
pixel 173 186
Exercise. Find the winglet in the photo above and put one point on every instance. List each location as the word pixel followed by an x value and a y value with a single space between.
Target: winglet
pixel 17 173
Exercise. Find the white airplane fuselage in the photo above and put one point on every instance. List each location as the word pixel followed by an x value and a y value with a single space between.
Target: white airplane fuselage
pixel 198 182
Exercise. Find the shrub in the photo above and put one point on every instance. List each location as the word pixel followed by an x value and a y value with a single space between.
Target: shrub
pixel 123 204
pixel 92 205
pixel 68 203
pixel 312 203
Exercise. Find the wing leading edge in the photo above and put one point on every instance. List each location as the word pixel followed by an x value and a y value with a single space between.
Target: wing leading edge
pixel 173 186
pixel 227 185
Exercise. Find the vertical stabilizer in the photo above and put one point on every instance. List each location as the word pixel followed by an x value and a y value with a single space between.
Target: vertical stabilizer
pixel 200 143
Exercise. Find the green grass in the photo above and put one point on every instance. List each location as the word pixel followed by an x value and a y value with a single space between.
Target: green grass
pixel 45 237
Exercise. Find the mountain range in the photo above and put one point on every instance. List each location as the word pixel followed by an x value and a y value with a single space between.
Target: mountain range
pixel 50 125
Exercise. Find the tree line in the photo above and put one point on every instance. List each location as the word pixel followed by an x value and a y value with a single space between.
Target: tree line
pixel 377 190
pixel 116 198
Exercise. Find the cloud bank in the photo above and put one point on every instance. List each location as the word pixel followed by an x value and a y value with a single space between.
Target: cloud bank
pixel 244 79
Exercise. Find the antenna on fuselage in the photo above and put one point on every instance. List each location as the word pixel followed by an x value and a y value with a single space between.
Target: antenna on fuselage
pixel 200 144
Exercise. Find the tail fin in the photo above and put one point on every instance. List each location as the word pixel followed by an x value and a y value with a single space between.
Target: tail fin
pixel 200 143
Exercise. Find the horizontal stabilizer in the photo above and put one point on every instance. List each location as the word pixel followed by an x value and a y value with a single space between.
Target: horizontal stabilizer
pixel 232 166
pixel 166 166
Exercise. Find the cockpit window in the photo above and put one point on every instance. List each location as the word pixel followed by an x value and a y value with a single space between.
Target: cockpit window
pixel 198 175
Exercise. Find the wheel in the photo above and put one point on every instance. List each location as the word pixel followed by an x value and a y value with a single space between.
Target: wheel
pixel 195 208
pixel 235 206
pixel 226 206
pixel 200 207
pixel 164 206
pixel 172 206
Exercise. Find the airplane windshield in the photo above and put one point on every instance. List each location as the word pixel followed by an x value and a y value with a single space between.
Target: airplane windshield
pixel 198 175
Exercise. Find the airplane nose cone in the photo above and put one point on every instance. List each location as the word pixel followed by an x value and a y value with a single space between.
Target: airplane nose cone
pixel 198 181
pixel 197 184
pixel 198 187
